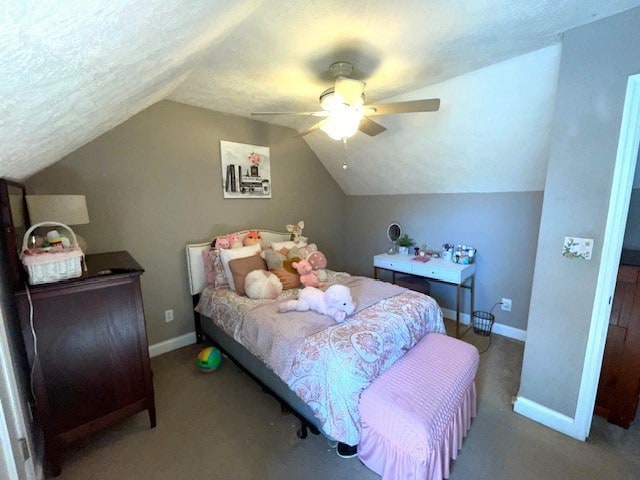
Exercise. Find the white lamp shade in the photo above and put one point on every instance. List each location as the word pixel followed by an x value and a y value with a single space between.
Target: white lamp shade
pixel 67 209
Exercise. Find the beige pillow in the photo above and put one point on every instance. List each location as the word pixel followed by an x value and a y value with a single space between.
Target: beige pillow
pixel 226 255
pixel 288 279
pixel 240 268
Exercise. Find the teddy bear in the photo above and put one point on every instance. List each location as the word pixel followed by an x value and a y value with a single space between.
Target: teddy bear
pixel 252 238
pixel 308 277
pixel 335 302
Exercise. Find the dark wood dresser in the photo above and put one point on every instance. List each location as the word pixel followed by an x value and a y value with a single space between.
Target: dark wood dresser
pixel 90 360
pixel 619 386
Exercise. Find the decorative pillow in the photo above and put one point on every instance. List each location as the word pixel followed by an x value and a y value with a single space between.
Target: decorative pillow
pixel 228 255
pixel 262 284
pixel 288 279
pixel 217 277
pixel 208 267
pixel 304 252
pixel 288 245
pixel 240 268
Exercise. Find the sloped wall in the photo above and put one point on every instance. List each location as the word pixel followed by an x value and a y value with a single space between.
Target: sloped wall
pixel 154 184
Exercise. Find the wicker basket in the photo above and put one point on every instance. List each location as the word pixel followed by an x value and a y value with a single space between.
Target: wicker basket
pixel 55 266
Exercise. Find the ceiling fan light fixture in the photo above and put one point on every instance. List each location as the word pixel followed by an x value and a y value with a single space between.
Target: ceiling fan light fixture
pixel 343 123
pixel 332 101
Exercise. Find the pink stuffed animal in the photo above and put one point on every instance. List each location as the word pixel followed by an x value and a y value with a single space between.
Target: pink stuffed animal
pixel 335 302
pixel 234 240
pixel 222 242
pixel 308 277
pixel 319 264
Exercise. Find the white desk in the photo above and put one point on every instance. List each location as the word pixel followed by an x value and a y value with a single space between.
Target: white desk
pixel 436 269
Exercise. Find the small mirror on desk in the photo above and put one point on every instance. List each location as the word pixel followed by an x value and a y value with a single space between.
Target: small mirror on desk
pixel 394 231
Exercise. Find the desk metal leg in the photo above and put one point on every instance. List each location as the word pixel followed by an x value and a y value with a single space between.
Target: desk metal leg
pixel 458 299
pixel 472 279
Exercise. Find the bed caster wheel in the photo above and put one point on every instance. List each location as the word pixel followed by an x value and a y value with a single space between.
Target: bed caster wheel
pixel 302 431
pixel 284 410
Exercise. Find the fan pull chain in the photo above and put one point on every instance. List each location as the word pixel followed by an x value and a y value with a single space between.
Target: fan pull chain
pixel 344 145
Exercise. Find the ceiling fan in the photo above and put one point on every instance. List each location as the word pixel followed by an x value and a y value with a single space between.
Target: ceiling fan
pixel 344 109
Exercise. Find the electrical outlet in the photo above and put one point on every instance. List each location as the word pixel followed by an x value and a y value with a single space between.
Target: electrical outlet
pixel 506 304
pixel 168 316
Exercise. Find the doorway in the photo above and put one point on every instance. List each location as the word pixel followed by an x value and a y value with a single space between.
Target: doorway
pixel 621 188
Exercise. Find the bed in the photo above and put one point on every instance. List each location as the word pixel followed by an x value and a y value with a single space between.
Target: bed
pixel 300 357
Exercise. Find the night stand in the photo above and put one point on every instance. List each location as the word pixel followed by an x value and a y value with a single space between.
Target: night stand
pixel 92 368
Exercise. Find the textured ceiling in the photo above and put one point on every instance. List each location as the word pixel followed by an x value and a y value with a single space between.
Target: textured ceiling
pixel 68 73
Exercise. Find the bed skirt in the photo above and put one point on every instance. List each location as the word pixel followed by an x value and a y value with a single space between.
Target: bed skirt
pixel 393 461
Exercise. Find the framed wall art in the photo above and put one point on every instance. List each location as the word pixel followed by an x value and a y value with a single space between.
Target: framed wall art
pixel 246 170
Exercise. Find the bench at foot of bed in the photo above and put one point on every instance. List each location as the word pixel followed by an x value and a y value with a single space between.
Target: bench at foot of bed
pixel 415 415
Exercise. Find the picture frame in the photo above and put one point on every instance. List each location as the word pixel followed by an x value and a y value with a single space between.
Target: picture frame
pixel 246 170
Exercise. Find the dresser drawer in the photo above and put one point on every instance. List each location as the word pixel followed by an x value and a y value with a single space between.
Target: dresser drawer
pixel 450 276
pixel 398 266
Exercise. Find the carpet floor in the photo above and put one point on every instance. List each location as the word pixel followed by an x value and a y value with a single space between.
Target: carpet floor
pixel 222 426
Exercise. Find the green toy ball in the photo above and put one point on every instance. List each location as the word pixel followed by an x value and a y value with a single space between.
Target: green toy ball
pixel 209 359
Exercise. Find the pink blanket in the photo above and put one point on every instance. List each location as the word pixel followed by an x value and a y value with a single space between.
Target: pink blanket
pixel 328 365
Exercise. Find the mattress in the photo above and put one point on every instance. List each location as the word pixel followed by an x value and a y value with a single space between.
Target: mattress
pixel 328 365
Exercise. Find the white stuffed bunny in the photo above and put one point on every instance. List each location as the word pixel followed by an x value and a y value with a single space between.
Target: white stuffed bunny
pixel 335 302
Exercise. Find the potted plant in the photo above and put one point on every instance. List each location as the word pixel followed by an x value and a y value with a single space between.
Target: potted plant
pixel 404 242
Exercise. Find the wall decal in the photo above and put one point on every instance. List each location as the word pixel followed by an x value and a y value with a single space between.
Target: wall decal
pixel 575 247
pixel 246 170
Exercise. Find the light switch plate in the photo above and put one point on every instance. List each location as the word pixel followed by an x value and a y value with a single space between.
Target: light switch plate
pixel 575 247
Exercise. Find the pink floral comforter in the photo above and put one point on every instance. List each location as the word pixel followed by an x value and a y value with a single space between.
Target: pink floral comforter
pixel 326 364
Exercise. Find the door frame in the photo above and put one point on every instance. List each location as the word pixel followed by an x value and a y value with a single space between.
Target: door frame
pixel 621 187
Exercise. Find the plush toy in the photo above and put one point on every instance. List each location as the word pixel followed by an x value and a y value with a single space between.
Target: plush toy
pixel 262 284
pixel 335 302
pixel 234 240
pixel 308 277
pixel 296 233
pixel 222 242
pixel 319 263
pixel 252 238
pixel 273 258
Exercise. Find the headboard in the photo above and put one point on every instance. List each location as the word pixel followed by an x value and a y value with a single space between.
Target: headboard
pixel 195 264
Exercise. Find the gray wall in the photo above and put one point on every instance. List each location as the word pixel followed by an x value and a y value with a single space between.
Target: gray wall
pixel 632 232
pixel 502 226
pixel 153 184
pixel 597 60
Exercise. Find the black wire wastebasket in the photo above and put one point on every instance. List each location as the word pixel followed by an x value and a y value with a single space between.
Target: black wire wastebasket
pixel 482 323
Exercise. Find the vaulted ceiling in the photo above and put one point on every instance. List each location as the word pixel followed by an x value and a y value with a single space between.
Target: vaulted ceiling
pixel 70 71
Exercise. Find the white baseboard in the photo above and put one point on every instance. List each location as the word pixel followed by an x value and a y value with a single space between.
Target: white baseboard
pixel 172 344
pixel 547 417
pixel 498 328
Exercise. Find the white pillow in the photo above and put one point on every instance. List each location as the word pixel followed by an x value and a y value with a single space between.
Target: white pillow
pixel 227 254
pixel 288 245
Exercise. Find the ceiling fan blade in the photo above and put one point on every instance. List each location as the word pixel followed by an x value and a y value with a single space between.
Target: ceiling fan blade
pixel 312 128
pixel 370 127
pixel 350 90
pixel 304 114
pixel 427 105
